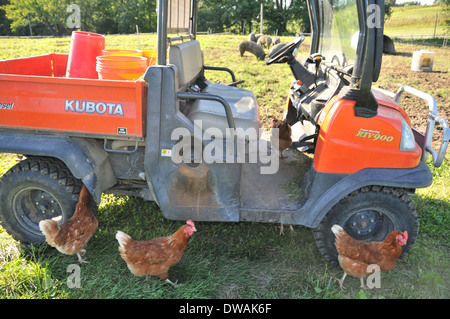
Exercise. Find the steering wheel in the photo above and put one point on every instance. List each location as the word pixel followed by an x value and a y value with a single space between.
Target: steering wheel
pixel 282 56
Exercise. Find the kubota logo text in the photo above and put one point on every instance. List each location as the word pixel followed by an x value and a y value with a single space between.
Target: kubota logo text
pixel 374 135
pixel 93 107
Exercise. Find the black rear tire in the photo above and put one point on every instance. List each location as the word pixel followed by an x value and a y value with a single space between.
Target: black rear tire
pixel 35 189
pixel 370 214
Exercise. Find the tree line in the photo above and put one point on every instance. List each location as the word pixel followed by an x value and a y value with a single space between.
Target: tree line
pixel 56 17
pixel 53 17
pixel 244 16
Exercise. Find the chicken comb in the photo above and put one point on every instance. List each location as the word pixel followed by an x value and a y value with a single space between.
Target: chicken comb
pixel 405 235
pixel 190 223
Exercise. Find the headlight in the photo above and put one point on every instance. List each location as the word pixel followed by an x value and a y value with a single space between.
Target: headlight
pixel 407 143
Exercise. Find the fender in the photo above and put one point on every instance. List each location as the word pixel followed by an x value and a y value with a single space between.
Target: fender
pixel 324 190
pixel 84 157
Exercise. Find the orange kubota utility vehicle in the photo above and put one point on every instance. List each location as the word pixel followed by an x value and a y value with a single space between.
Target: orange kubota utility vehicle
pixel 175 138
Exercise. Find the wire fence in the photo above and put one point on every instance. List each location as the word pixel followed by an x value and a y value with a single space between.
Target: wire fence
pixel 425 39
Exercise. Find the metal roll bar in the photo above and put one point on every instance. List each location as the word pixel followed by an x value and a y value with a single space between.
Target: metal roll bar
pixel 438 157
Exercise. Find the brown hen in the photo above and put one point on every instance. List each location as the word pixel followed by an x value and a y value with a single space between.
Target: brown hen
pixel 154 257
pixel 355 256
pixel 71 237
pixel 281 135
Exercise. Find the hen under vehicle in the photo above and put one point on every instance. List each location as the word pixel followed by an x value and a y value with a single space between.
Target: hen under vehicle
pixel 189 144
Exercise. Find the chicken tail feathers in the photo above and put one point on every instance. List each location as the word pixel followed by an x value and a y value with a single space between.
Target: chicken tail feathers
pixel 336 229
pixel 345 244
pixel 123 239
pixel 50 229
pixel 341 236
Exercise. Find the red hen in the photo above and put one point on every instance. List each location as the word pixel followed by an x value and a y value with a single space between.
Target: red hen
pixel 281 135
pixel 355 256
pixel 156 256
pixel 71 237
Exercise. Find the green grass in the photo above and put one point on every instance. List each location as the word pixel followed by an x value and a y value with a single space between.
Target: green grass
pixel 418 21
pixel 227 260
pixel 21 276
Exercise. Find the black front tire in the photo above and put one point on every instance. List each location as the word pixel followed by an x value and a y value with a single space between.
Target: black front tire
pixel 370 214
pixel 35 189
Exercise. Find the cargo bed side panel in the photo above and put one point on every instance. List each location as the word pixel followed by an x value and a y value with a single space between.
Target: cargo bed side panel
pixel 64 105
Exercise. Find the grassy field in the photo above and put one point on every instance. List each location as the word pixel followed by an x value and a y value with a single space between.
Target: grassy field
pixel 417 21
pixel 233 260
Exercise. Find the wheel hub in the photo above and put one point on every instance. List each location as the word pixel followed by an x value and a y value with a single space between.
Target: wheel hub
pixel 45 203
pixel 363 224
pixel 32 205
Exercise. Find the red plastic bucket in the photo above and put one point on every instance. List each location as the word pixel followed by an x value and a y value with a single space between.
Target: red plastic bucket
pixel 116 67
pixel 85 47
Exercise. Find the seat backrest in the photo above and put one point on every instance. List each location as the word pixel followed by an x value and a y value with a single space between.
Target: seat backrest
pixel 187 57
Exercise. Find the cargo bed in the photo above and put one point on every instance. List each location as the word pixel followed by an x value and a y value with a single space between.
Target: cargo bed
pixel 35 95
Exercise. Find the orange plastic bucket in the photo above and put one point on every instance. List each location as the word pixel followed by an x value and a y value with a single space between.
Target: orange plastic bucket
pixel 122 52
pixel 151 56
pixel 117 67
pixel 85 47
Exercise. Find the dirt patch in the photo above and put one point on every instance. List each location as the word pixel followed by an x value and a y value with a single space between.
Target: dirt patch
pixel 396 71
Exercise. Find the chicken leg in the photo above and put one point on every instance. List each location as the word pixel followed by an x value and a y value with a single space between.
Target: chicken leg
pixel 341 282
pixel 174 284
pixel 282 229
pixel 80 259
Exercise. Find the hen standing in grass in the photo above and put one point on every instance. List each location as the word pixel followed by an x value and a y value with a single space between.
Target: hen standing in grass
pixel 356 255
pixel 281 135
pixel 71 237
pixel 155 256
